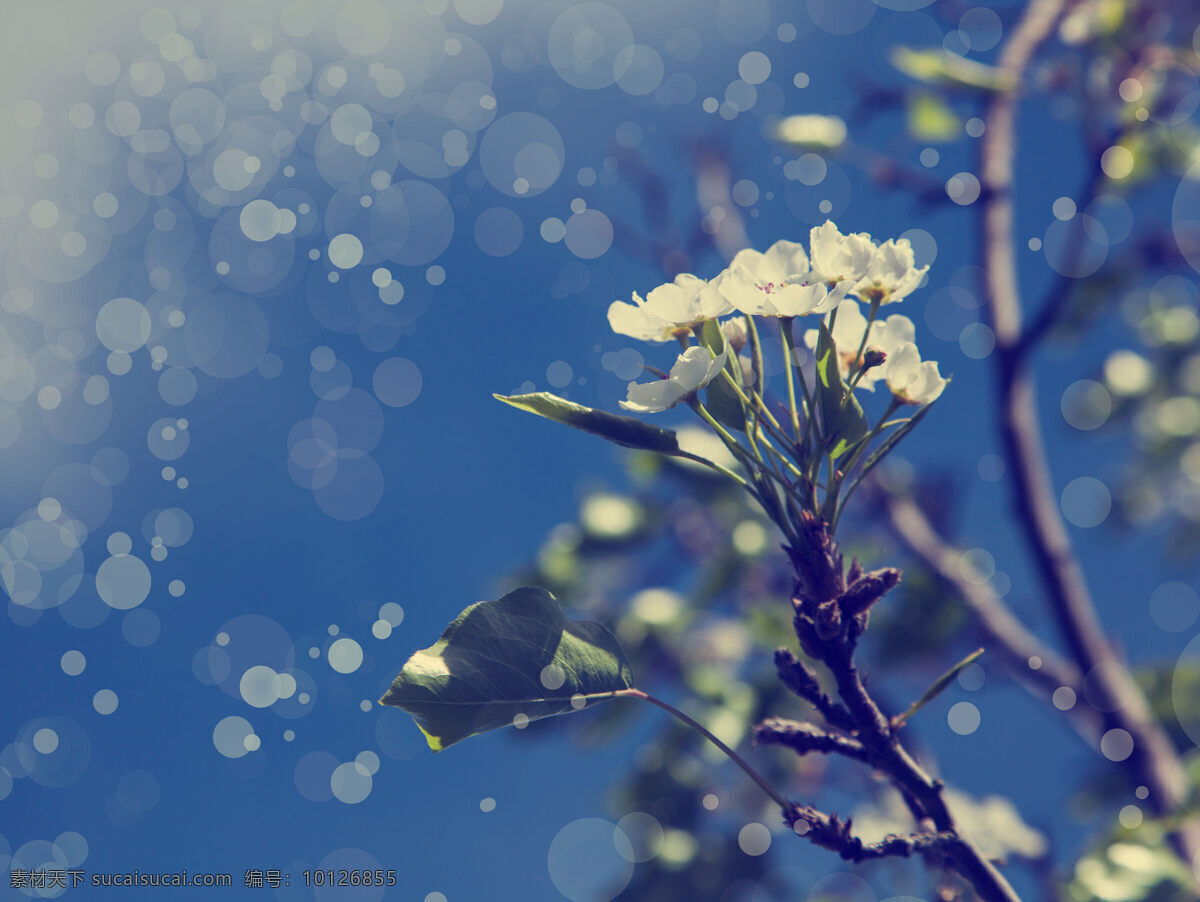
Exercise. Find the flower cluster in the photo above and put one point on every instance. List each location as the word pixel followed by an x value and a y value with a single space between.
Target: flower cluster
pixel 788 282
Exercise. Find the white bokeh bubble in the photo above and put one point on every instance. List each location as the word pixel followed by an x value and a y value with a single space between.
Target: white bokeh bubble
pixel 123 325
pixel 397 382
pixel 229 736
pixel 584 862
pixel 589 234
pixel 1086 502
pixel 638 69
pixel 754 839
pixel 584 42
pixel 345 655
pixel 123 581
pixel 478 12
pixel 521 154
pixel 349 783
pixel 963 718
pixel 105 701
pixel 1174 606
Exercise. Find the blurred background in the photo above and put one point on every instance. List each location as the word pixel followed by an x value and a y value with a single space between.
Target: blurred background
pixel 264 265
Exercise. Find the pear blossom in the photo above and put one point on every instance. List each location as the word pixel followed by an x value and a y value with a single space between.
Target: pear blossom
pixel 669 308
pixel 911 380
pixel 848 330
pixel 885 335
pixel 776 283
pixel 891 275
pixel 694 369
pixel 837 257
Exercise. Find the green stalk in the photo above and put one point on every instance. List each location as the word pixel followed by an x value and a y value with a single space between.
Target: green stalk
pixel 785 329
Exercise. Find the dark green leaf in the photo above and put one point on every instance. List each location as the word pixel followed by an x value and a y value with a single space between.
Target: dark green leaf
pixel 507 660
pixel 623 430
pixel 724 404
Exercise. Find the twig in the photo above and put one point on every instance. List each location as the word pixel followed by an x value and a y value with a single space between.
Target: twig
pixel 803 738
pixel 1153 760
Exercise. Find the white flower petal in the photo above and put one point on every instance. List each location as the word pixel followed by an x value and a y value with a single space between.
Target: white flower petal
pixel 797 300
pixel 693 370
pixel 837 257
pixel 636 322
pixel 784 259
pixel 742 291
pixel 652 397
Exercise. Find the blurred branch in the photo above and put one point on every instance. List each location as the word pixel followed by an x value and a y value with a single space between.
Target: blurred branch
pixel 1011 640
pixel 1153 761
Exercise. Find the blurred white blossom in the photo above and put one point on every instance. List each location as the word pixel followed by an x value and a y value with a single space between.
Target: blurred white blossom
pixel 994 824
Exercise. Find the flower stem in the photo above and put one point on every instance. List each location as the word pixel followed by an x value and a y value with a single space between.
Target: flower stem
pixel 785 328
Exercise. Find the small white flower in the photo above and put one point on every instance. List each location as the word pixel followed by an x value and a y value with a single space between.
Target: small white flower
pixel 886 335
pixel 837 257
pixel 694 369
pixel 891 275
pixel 676 305
pixel 847 334
pixel 910 379
pixel 775 283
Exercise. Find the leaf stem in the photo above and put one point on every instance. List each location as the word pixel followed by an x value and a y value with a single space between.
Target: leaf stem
pixel 733 756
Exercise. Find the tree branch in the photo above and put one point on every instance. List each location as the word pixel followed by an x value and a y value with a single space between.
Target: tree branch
pixel 831 832
pixel 803 738
pixel 1153 760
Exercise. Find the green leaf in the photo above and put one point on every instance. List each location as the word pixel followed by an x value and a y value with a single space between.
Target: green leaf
pixel 842 419
pixel 712 337
pixel 623 430
pixel 939 67
pixel 507 660
pixel 938 687
pixel 724 404
pixel 931 119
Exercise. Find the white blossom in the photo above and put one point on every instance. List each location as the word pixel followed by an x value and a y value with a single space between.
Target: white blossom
pixel 910 379
pixel 676 305
pixel 847 332
pixel 837 257
pixel 776 283
pixel 694 369
pixel 891 275
pixel 887 335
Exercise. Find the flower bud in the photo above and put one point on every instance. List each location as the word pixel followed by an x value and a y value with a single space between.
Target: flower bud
pixel 873 357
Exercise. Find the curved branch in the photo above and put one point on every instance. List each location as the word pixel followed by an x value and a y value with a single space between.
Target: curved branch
pixel 1154 760
pixel 1008 635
